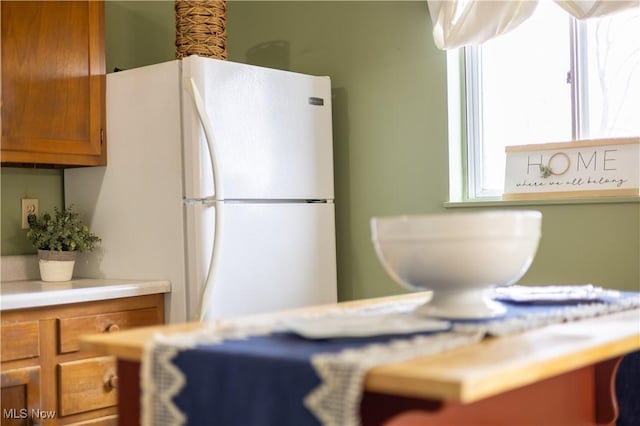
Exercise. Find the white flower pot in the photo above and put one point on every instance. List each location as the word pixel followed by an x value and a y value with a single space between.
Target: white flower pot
pixel 56 266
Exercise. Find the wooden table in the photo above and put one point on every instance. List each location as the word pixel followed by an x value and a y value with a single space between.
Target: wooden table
pixel 559 374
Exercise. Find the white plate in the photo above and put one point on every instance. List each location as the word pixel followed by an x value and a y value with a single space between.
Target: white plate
pixel 551 293
pixel 361 325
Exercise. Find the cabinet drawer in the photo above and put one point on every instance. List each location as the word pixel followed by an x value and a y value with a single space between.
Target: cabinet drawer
pixel 20 340
pixel 71 328
pixel 87 384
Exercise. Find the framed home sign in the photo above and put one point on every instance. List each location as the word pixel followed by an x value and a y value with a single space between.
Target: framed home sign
pixel 598 167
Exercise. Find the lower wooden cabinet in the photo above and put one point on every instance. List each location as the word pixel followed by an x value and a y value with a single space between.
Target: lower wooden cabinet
pixel 47 379
pixel 20 395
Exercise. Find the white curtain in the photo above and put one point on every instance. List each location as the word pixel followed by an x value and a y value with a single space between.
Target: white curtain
pixel 583 9
pixel 467 22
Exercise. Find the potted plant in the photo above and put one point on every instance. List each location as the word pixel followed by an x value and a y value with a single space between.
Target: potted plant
pixel 58 239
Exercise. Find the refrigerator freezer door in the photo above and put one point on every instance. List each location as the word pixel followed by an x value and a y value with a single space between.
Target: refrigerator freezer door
pixel 270 257
pixel 272 132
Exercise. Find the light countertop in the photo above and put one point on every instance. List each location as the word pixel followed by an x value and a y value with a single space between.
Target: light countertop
pixel 32 294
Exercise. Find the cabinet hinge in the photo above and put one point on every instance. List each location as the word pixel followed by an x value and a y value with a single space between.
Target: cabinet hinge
pixel 101 136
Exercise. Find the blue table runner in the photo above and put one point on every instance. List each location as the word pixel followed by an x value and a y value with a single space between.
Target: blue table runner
pixel 268 380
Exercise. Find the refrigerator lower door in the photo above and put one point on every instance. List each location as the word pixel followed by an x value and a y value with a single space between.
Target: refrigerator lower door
pixel 268 257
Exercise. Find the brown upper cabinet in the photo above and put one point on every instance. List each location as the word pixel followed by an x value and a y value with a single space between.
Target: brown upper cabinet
pixel 53 83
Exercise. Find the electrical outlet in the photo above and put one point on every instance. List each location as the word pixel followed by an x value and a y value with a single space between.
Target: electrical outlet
pixel 29 206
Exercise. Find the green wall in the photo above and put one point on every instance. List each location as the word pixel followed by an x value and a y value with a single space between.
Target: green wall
pixel 139 33
pixel 390 128
pixel 16 183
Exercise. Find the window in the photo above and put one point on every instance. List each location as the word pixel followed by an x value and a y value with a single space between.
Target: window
pixel 553 79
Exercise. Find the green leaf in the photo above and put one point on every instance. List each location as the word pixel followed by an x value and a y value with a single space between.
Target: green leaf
pixel 62 232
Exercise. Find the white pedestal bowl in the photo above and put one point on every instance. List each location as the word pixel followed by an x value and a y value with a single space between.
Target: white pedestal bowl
pixel 459 256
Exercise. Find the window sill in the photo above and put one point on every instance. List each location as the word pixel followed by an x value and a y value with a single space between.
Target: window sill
pixel 498 202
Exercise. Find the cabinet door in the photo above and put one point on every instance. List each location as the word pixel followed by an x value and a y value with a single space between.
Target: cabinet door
pixel 53 82
pixel 20 395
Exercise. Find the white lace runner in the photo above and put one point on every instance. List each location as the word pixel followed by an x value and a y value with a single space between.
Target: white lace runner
pixel 337 399
pixel 553 316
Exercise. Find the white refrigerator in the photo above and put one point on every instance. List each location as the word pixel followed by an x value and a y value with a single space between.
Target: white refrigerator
pixel 220 179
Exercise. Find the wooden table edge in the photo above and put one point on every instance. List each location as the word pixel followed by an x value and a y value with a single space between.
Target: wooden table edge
pixel 438 376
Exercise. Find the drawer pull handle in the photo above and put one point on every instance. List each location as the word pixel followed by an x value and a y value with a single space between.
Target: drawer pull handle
pixel 111 382
pixel 112 327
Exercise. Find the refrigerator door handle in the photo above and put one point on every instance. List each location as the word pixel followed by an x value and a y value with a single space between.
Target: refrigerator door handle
pixel 207 288
pixel 192 88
